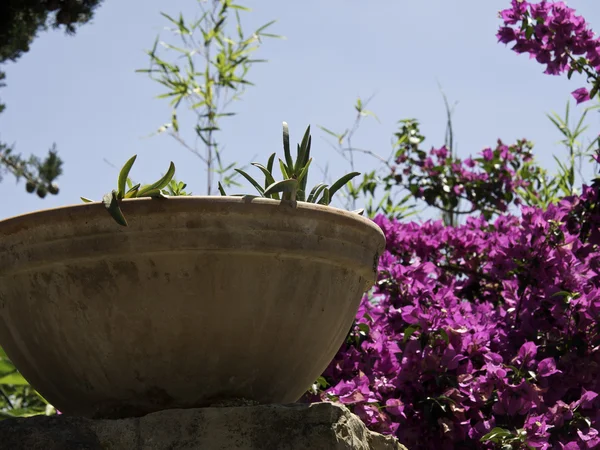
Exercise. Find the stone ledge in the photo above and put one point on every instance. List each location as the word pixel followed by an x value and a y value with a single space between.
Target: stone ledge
pixel 320 426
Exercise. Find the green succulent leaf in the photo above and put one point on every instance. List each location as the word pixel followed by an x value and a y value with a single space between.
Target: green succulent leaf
pixel 303 151
pixel 86 200
pixel 132 192
pixel 270 164
pixel 315 192
pixel 326 198
pixel 268 177
pixel 289 185
pixel 284 169
pixel 341 182
pixel 155 193
pixel 160 184
pixel 221 190
pixel 123 175
pixel 304 172
pixel 252 181
pixel 286 146
pixel 111 203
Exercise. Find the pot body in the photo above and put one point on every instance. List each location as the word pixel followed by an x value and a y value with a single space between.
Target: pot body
pixel 198 300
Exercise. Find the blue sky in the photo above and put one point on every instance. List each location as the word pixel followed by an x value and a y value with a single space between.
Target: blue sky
pixel 82 92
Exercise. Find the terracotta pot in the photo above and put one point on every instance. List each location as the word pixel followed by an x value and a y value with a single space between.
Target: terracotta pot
pixel 199 300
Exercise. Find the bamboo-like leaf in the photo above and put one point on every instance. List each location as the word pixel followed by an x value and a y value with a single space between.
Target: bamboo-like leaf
pixel 252 181
pixel 286 146
pixel 163 182
pixel 341 182
pixel 123 175
pixel 314 193
pixel 289 185
pixel 175 122
pixel 86 200
pixel 111 203
pixel 221 190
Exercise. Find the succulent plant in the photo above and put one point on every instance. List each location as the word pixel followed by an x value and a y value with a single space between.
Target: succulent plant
pixel 291 188
pixel 295 176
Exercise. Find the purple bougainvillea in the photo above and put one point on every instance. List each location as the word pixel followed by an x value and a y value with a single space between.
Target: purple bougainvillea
pixel 555 36
pixel 481 335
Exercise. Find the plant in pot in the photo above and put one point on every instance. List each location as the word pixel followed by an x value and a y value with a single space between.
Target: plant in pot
pixel 194 301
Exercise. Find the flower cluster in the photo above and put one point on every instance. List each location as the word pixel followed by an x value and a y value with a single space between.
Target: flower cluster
pixel 554 35
pixel 488 183
pixel 481 336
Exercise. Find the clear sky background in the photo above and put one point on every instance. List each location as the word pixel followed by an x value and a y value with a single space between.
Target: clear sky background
pixel 82 92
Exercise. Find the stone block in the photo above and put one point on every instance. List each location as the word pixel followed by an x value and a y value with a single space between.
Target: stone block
pixel 320 426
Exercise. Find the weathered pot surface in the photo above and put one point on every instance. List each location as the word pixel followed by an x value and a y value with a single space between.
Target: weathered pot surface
pixel 199 300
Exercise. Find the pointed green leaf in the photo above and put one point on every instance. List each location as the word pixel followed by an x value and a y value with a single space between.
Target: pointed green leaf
pixel 304 172
pixel 132 193
pixel 163 182
pixel 268 178
pixel 155 193
pixel 86 200
pixel 289 185
pixel 286 147
pixel 270 163
pixel 111 203
pixel 221 190
pixel 284 169
pixel 123 176
pixel 252 181
pixel 360 212
pixel 341 182
pixel 303 150
pixel 326 198
pixel 315 192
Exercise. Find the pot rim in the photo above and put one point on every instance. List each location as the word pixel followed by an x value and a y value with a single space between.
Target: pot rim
pixel 149 205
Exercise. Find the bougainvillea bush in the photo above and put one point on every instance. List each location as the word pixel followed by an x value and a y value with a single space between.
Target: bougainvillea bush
pixel 486 335
pixel 486 330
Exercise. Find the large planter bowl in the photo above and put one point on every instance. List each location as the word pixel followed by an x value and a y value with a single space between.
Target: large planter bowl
pixel 200 300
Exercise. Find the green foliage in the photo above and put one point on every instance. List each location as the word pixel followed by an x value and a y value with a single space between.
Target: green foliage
pixel 217 57
pixel 546 189
pixel 295 175
pixel 39 174
pixel 17 397
pixel 392 202
pixel 506 439
pixel 165 186
pixel 20 21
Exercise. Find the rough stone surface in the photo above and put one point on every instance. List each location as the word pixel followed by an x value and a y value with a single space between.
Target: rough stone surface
pixel 320 426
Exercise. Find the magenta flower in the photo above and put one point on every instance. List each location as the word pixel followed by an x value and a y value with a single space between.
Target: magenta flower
pixel 581 95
